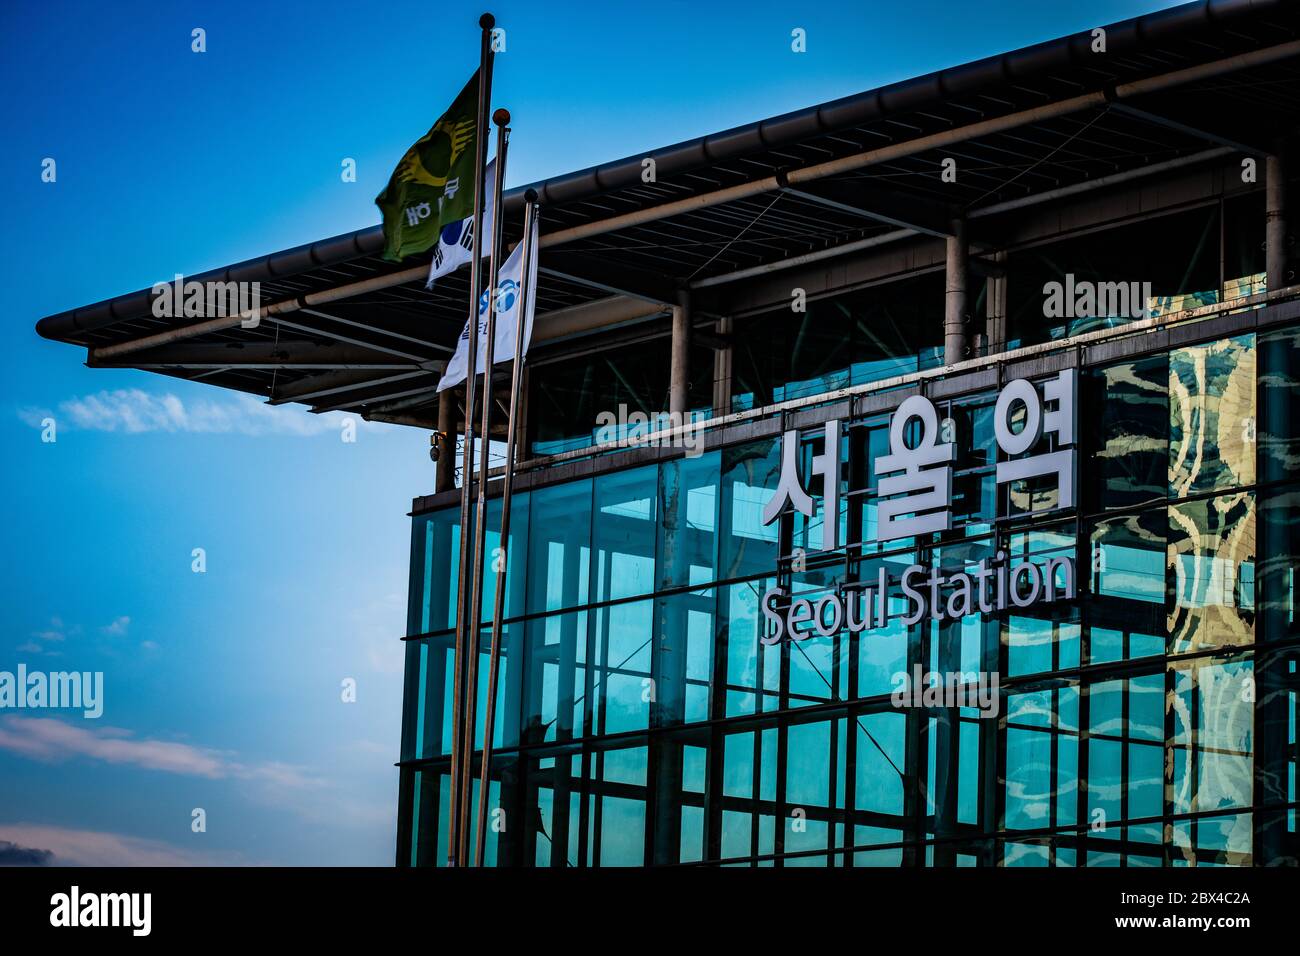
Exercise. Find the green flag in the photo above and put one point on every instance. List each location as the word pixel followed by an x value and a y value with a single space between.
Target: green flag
pixel 433 185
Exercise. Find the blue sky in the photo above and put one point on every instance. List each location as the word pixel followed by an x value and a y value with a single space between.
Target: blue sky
pixel 222 689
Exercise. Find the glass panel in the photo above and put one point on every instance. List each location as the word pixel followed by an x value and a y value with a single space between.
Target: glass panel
pixel 1213 841
pixel 558 685
pixel 1126 610
pixel 1153 267
pixel 679 809
pixel 688 535
pixel 818 664
pixel 619 806
pixel 1212 573
pixel 1042 757
pixel 749 477
pixel 882 651
pixel 571 401
pixel 810 787
pixel 622 688
pixel 753 669
pixel 879 788
pixel 430 792
pixel 626 510
pixel 1279 565
pixel 1126 429
pixel 438 540
pixel 1212 416
pixel 1279 404
pixel 1044 637
pixel 684 657
pixel 559 547
pixel 840 340
pixel 1212 714
pixel 1125 753
pixel 515 556
pixel 506 717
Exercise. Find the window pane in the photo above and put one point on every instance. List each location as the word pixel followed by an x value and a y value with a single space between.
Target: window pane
pixel 626 513
pixel 1212 416
pixel 1279 565
pixel 688 535
pixel 1212 573
pixel 559 547
pixel 1279 404
pixel 1127 608
pixel 1213 727
pixel 1127 428
pixel 749 476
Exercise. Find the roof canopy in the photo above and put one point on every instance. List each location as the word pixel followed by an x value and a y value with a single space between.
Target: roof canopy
pixel 346 329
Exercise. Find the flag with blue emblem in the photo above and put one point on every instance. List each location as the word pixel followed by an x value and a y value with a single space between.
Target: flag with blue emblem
pixel 509 299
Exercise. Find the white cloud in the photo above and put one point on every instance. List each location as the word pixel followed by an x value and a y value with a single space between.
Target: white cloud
pixel 56 631
pixel 118 627
pixel 54 634
pixel 135 411
pixel 44 738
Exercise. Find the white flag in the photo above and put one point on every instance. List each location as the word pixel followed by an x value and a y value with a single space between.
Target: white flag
pixel 509 299
pixel 456 240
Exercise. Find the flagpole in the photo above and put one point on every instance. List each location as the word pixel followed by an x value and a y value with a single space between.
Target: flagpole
pixel 508 483
pixel 486 23
pixel 501 117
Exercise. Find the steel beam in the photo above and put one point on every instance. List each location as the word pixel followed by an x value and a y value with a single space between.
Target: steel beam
pixel 869 201
pixel 596 272
pixel 258 353
pixel 319 386
pixel 1159 119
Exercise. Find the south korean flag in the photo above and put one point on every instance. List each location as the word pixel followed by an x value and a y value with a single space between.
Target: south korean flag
pixel 456 241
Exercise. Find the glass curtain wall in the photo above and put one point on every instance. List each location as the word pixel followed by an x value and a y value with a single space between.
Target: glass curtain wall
pixel 1149 722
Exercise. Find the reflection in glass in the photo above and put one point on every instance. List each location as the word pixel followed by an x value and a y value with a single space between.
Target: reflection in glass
pixel 1212 713
pixel 623 537
pixel 559 547
pixel 1211 573
pixel 1212 416
pixel 1126 610
pixel 749 476
pixel 688 531
pixel 1279 404
pixel 1127 432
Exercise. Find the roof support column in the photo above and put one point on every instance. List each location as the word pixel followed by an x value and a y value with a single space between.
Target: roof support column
pixel 1275 214
pixel 722 369
pixel 995 307
pixel 444 477
pixel 679 378
pixel 954 306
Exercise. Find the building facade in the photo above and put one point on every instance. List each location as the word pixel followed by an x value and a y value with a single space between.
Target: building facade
pixel 646 715
pixel 982 548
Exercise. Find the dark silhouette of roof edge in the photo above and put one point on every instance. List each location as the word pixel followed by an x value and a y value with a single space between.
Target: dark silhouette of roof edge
pixel 1123 38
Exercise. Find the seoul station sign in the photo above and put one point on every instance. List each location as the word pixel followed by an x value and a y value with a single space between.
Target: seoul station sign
pixel 915 498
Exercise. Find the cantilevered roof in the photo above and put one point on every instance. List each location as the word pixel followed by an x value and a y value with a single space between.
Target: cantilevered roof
pixel 347 329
